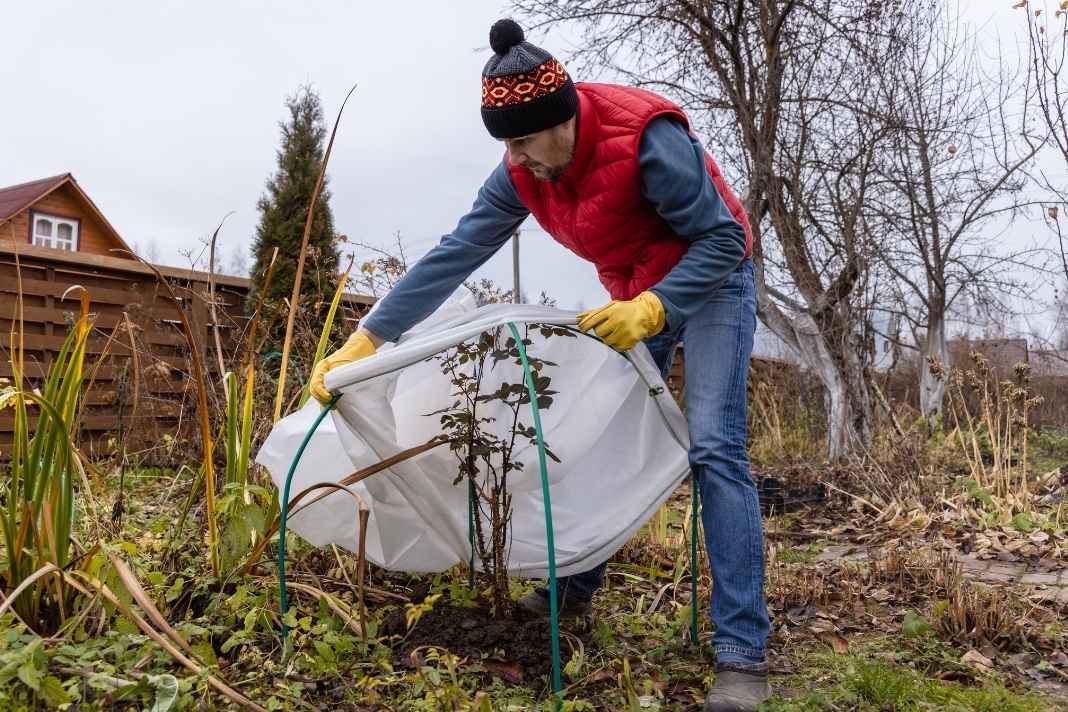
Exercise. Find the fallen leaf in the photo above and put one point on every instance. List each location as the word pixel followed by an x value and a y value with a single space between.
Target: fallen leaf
pixel 974 659
pixel 819 627
pixel 1047 564
pixel 800 614
pixel 1022 661
pixel 881 595
pixel 510 671
pixel 838 644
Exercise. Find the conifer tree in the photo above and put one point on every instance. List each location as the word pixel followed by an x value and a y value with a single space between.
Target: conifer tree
pixel 283 210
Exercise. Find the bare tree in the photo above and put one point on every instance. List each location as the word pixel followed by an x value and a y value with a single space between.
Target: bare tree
pixel 383 268
pixel 786 91
pixel 1048 64
pixel 1047 100
pixel 950 183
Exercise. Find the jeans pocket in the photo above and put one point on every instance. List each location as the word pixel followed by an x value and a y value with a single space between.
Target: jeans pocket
pixel 725 306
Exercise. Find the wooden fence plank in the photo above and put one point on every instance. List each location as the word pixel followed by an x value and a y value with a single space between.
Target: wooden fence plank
pixel 118 286
pixel 40 287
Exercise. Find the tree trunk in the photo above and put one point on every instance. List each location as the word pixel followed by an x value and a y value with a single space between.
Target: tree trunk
pixel 932 380
pixel 841 372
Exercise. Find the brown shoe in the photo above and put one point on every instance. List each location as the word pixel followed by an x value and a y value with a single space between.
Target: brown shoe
pixel 536 605
pixel 738 688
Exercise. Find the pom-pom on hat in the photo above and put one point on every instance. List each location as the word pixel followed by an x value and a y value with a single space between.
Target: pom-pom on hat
pixel 524 88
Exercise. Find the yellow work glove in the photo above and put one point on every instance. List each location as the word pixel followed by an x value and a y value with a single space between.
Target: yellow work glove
pixel 621 325
pixel 358 346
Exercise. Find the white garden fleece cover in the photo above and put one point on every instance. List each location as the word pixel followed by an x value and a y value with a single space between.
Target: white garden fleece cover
pixel 620 437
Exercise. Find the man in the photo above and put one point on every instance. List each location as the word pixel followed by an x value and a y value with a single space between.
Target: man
pixel 613 174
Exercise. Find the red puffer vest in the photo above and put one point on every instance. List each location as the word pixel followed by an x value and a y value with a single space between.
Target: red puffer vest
pixel 596 208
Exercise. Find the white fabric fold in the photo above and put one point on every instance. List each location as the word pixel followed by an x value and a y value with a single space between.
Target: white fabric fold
pixel 620 437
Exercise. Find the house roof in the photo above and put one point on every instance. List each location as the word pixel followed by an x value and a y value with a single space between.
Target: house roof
pixel 16 198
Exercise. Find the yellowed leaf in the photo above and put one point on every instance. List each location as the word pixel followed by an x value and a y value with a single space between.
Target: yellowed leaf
pixel 974 659
pixel 838 644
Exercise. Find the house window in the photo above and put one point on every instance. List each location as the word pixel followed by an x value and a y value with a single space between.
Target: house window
pixel 54 231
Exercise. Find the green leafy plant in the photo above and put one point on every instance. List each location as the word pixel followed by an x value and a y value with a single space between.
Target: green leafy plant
pixel 485 458
pixel 24 674
pixel 437 680
pixel 328 327
pixel 241 508
pixel 915 625
pixel 38 490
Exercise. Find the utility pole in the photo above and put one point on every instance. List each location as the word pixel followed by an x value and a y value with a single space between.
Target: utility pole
pixel 516 298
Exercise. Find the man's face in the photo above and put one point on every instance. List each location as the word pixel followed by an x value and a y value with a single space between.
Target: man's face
pixel 546 153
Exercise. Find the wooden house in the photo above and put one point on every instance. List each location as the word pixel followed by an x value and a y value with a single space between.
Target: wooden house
pixel 53 238
pixel 56 213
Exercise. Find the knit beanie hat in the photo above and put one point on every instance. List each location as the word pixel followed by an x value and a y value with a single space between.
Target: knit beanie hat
pixel 524 88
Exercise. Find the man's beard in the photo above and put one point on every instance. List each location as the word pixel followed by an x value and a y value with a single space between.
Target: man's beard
pixel 545 173
pixel 548 173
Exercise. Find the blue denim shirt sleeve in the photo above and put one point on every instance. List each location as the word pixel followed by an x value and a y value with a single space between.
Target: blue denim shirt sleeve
pixel 675 181
pixel 495 215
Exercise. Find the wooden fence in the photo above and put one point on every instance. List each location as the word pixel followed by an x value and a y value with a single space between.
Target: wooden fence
pixel 121 287
pixel 163 407
pixel 799 391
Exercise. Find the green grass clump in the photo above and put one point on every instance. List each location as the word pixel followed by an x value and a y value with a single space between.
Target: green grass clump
pixel 800 555
pixel 869 686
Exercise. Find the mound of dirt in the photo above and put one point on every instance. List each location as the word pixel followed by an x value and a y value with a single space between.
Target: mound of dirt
pixel 518 649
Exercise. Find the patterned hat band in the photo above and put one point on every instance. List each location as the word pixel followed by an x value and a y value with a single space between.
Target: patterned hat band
pixel 524 89
pixel 511 89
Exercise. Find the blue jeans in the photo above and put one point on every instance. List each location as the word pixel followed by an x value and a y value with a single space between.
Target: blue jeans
pixel 719 341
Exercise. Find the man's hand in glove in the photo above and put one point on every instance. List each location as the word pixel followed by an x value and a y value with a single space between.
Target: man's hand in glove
pixel 621 324
pixel 360 345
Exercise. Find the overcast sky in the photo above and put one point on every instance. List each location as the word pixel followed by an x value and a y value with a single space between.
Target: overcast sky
pixel 167 114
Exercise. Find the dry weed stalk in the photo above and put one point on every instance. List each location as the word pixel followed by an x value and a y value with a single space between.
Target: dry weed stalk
pixel 967 613
pixel 207 444
pixel 994 439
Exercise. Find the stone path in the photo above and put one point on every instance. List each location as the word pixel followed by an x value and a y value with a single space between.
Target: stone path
pixel 984 570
